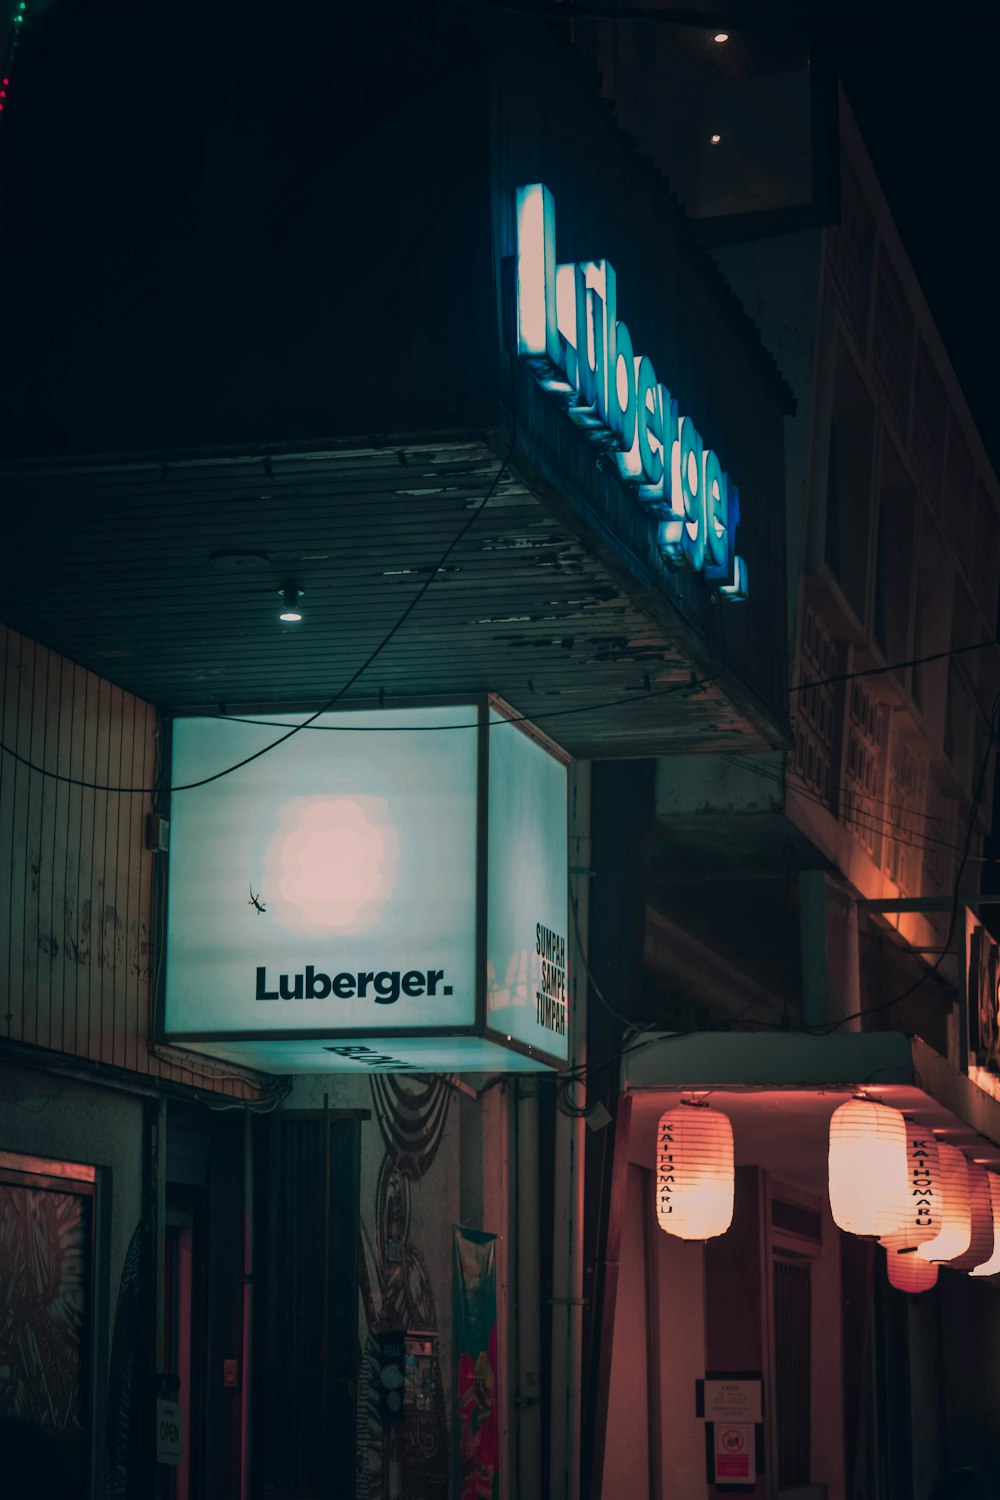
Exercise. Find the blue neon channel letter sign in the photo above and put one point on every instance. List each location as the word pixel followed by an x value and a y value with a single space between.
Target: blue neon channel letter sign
pixel 569 335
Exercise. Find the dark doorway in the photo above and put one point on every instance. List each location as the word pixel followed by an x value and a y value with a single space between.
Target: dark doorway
pixel 306 1306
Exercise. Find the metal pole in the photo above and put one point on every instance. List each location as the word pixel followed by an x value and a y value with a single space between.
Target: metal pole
pixel 248 1211
pixel 567 1246
pixel 527 1401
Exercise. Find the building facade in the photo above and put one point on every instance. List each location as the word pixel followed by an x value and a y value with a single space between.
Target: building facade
pixel 816 930
pixel 340 380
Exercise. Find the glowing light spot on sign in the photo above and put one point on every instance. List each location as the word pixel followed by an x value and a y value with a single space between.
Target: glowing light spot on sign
pixel 334 862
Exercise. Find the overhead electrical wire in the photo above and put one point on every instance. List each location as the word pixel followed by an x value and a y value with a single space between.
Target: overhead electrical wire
pixel 896 666
pixel 641 1038
pixel 870 1010
pixel 690 687
pixel 329 704
pixel 885 827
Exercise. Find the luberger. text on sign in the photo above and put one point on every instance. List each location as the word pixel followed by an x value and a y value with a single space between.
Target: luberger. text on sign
pixel 384 986
pixel 569 333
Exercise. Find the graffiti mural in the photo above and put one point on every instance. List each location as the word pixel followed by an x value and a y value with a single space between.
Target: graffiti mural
pixel 412 1458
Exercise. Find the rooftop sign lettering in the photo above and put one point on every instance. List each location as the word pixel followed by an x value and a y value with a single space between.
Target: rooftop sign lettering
pixel 570 336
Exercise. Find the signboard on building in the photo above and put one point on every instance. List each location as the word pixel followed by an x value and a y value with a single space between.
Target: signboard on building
pixel 570 336
pixel 732 1407
pixel 734 1451
pixel 982 989
pixel 387 889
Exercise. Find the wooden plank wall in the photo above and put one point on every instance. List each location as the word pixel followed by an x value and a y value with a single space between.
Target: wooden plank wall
pixel 76 879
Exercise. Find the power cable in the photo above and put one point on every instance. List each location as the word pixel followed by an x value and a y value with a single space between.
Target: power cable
pixel 870 1010
pixel 690 687
pixel 383 729
pixel 893 666
pixel 884 827
pixel 744 763
pixel 309 723
pixel 324 708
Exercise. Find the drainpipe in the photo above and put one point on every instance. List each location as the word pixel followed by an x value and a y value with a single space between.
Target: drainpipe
pixel 247 1304
pixel 529 1344
pixel 567 1246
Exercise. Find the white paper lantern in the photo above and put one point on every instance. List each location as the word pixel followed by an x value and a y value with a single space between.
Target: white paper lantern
pixel 922 1220
pixel 694 1172
pixel 909 1273
pixel 868 1168
pixel 981 1238
pixel 956 1215
pixel 992 1266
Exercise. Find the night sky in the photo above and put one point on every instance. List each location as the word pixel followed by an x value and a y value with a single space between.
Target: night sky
pixel 926 97
pixel 97 125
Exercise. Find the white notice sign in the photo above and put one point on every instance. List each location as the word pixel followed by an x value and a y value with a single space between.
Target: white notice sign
pixel 168 1432
pixel 733 1401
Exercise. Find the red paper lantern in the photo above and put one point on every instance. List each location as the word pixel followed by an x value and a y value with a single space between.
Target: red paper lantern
pixel 908 1273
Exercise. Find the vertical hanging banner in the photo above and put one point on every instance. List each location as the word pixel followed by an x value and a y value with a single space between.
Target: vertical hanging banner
pixel 475 1299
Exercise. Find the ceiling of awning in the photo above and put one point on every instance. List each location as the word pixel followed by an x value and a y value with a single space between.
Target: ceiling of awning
pixel 164 577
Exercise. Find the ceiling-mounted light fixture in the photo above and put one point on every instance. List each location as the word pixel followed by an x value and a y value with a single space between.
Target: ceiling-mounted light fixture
pixel 290 611
pixel 721 36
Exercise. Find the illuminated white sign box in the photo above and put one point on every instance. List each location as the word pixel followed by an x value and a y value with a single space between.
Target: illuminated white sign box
pixel 386 890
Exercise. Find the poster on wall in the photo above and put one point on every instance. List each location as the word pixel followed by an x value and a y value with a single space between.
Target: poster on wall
pixel 476 1383
pixel 982 989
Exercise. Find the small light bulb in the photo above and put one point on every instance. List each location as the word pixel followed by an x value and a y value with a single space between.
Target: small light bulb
pixel 716 139
pixel 290 612
pixel 721 36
